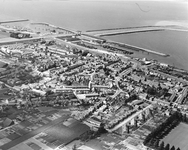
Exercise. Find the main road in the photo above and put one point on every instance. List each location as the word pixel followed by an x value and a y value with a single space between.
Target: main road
pixel 12 40
pixel 129 119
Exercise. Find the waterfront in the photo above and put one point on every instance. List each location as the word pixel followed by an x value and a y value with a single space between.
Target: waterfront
pixel 66 90
pixel 173 43
pixel 90 15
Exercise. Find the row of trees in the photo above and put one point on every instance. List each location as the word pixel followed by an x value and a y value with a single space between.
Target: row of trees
pixel 152 140
pixel 167 147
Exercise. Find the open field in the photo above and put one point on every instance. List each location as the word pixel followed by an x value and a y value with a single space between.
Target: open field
pixel 178 137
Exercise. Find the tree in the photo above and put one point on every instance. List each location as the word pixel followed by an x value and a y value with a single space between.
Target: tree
pixel 156 144
pixel 184 118
pixel 151 112
pixel 180 116
pixel 143 117
pixel 178 148
pixel 128 128
pixel 151 90
pixel 150 143
pixel 161 147
pixel 101 129
pixel 140 81
pixel 167 147
pixel 136 122
pixel 173 148
pixel 74 147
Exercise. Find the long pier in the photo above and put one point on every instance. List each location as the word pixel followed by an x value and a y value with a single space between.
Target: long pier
pixel 127 28
pixel 12 21
pixel 125 31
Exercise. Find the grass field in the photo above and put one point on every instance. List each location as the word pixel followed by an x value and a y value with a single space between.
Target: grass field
pixel 178 137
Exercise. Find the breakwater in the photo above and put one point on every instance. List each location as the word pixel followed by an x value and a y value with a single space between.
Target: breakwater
pixel 128 32
pixel 12 21
pixel 139 27
pixel 135 48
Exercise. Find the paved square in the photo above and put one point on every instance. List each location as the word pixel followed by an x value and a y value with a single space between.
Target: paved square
pixel 178 137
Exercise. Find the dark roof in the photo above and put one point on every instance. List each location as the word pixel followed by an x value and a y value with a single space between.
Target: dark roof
pixel 26 123
pixel 7 122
